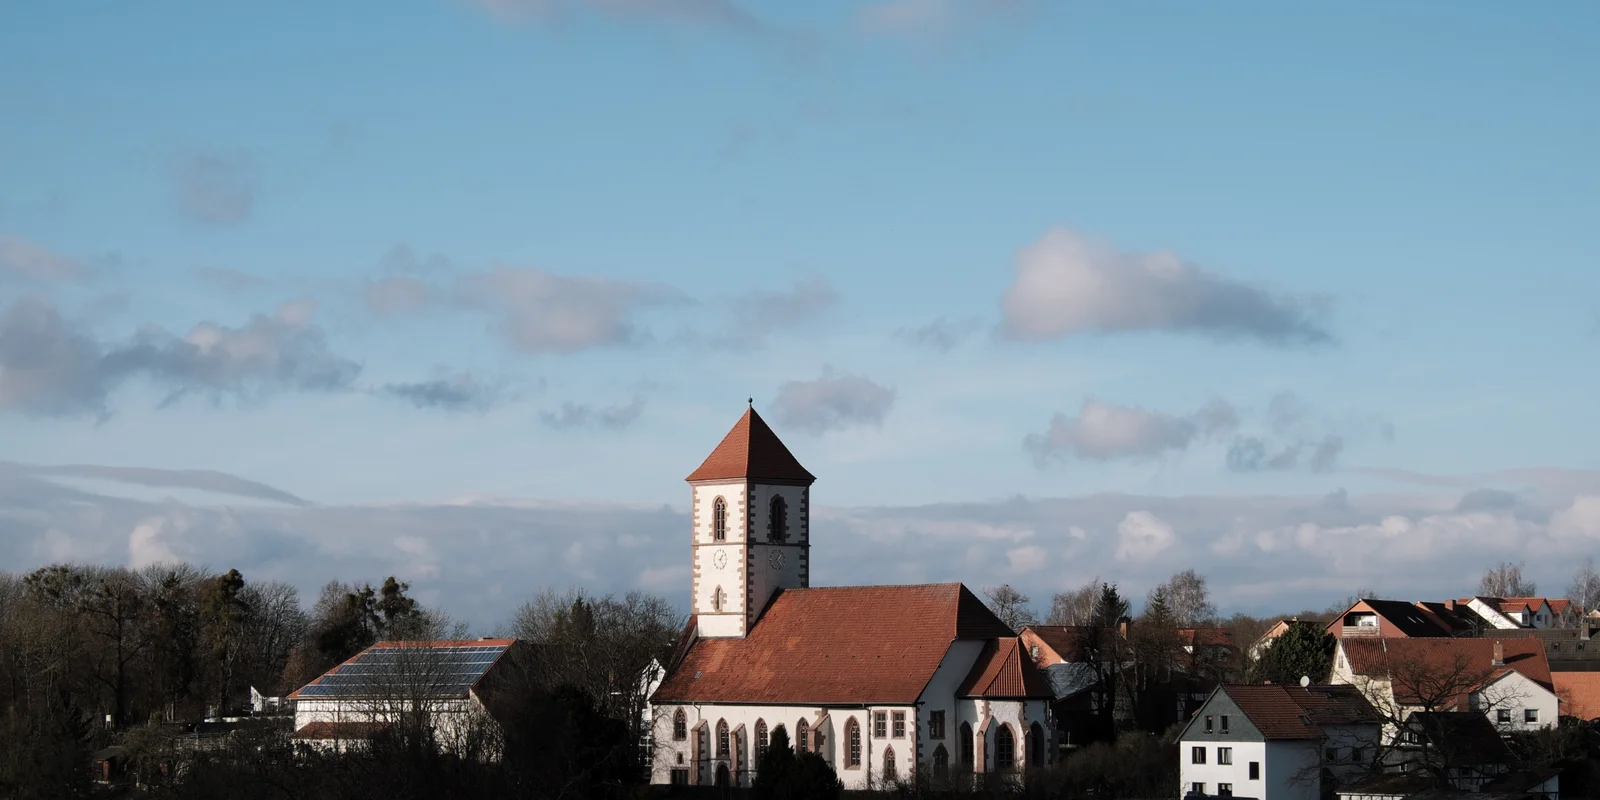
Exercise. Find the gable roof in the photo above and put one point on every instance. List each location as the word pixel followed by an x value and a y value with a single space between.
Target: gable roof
pixel 1408 618
pixel 1579 693
pixel 1295 712
pixel 432 668
pixel 1002 670
pixel 1469 736
pixel 1449 664
pixel 844 644
pixel 751 451
pixel 1066 640
pixel 1205 637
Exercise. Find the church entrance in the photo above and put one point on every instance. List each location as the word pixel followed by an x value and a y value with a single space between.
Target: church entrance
pixel 722 775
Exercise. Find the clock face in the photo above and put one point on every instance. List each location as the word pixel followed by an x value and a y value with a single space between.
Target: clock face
pixel 720 559
pixel 777 559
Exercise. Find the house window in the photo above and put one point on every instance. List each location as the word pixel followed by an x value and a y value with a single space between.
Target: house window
pixel 680 726
pixel 888 764
pixel 852 737
pixel 802 736
pixel 1036 745
pixel 722 738
pixel 941 762
pixel 880 724
pixel 778 520
pixel 1034 651
pixel 966 747
pixel 1197 755
pixel 1208 723
pixel 680 777
pixel 1005 748
pixel 761 737
pixel 1331 754
pixel 899 724
pixel 1255 770
pixel 1224 790
pixel 1355 754
pixel 1224 723
pixel 936 725
pixel 719 520
pixel 1197 787
pixel 1503 715
pixel 1224 755
pixel 1530 715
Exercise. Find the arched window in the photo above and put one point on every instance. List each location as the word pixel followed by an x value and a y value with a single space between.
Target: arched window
pixel 761 737
pixel 718 597
pixel 889 773
pixel 722 738
pixel 680 726
pixel 941 762
pixel 1035 745
pixel 966 747
pixel 778 520
pixel 719 520
pixel 852 740
pixel 1005 748
pixel 802 736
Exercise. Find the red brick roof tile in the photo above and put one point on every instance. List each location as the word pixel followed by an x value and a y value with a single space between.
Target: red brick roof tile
pixel 751 451
pixel 846 644
pixel 1444 658
pixel 1294 712
pixel 1066 640
pixel 1001 671
pixel 338 730
pixel 1579 693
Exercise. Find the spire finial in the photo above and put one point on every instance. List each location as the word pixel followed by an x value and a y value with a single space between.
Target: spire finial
pixel 750 401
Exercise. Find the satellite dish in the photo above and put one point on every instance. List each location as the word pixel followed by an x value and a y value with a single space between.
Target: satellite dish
pixel 1305 680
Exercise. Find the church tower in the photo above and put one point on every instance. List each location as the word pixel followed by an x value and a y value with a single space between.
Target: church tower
pixel 752 528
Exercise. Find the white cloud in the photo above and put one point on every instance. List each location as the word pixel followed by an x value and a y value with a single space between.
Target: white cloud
pixel 1102 431
pixel 1581 519
pixel 149 543
pixel 29 261
pixel 1067 283
pixel 832 402
pixel 1142 535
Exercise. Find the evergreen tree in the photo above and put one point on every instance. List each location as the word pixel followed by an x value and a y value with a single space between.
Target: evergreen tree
pixel 1305 650
pixel 782 775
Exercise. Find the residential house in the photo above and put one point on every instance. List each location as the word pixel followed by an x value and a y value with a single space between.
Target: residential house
pixel 1277 742
pixel 1449 753
pixel 1397 619
pixel 453 690
pixel 1507 681
pixel 886 683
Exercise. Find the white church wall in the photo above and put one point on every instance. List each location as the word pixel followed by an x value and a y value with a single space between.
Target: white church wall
pixel 671 753
pixel 940 695
pixel 719 565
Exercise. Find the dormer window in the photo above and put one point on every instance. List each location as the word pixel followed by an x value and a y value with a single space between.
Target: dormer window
pixel 719 520
pixel 778 520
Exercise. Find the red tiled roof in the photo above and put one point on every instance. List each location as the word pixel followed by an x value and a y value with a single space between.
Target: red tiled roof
pixel 1294 712
pixel 1459 661
pixel 846 644
pixel 751 451
pixel 1558 605
pixel 338 730
pixel 1579 693
pixel 1066 640
pixel 1002 671
pixel 1205 637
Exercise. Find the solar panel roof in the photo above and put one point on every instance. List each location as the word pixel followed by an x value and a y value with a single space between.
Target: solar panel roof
pixel 431 669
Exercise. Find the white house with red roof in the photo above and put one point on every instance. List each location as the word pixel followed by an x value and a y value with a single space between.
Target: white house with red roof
pixel 886 683
pixel 1507 680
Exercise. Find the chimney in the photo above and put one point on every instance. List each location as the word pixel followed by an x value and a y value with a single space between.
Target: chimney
pixel 1499 655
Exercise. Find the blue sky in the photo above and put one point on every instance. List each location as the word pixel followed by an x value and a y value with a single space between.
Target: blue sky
pixel 959 251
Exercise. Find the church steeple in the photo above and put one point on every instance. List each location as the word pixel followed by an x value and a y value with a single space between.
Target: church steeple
pixel 752 529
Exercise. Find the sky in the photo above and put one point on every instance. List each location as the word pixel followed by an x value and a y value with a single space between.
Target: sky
pixel 459 290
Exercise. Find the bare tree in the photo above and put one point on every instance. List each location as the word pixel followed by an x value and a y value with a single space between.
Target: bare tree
pixel 1011 606
pixel 1585 589
pixel 1074 607
pixel 1505 580
pixel 1189 599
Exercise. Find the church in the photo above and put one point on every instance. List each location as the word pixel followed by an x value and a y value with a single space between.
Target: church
pixel 886 683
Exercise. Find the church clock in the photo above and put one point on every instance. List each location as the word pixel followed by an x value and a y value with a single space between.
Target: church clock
pixel 777 558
